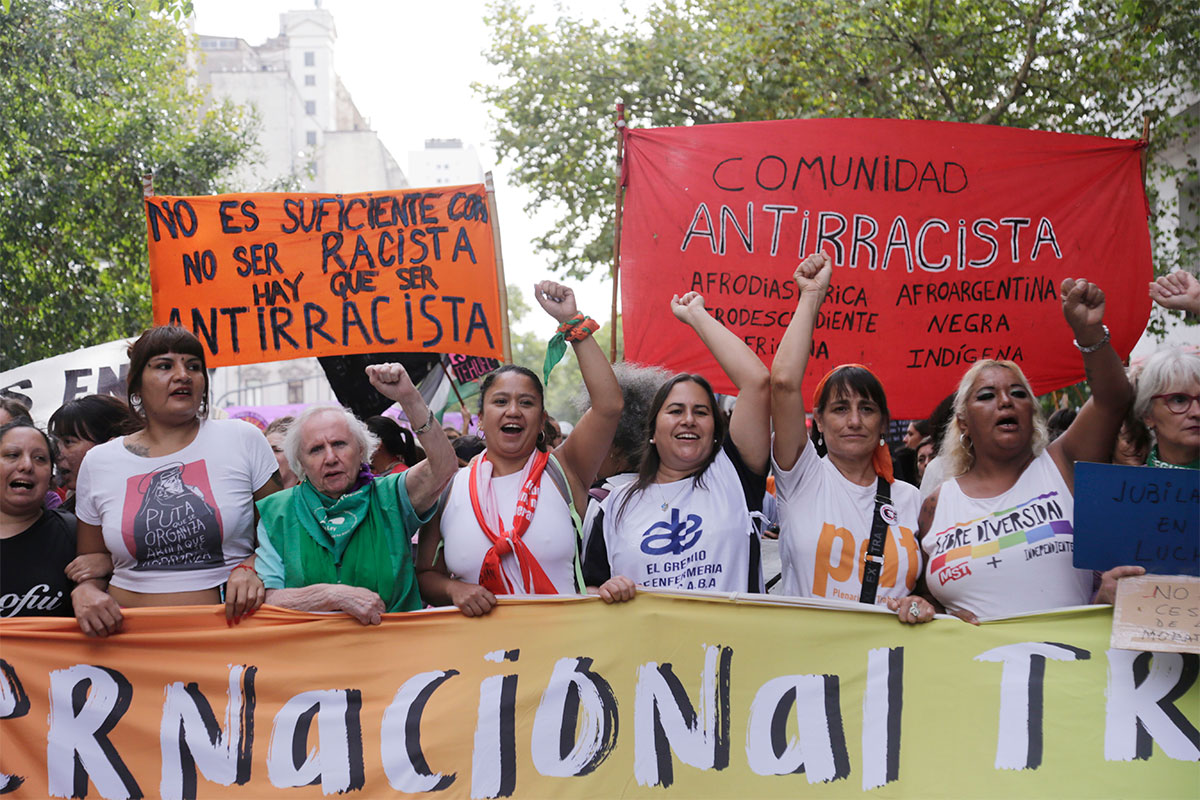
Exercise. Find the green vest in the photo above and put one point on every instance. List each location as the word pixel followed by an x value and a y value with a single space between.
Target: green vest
pixel 378 557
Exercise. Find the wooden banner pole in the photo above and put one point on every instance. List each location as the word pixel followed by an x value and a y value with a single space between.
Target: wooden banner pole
pixel 616 267
pixel 505 336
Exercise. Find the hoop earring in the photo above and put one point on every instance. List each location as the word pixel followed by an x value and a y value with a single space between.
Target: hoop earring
pixel 135 402
pixel 964 440
pixel 541 440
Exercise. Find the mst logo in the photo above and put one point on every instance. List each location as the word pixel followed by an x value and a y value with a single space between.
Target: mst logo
pixel 678 536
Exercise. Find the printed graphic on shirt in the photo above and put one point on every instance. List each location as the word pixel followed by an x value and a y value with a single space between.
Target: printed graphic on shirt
pixel 838 570
pixel 993 537
pixel 680 537
pixel 171 520
pixel 40 598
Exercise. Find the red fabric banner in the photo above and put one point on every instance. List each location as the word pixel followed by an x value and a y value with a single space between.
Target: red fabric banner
pixel 949 241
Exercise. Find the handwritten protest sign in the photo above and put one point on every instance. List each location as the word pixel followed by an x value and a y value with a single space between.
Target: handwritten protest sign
pixel 1157 613
pixel 1140 516
pixel 950 242
pixel 471 368
pixel 268 277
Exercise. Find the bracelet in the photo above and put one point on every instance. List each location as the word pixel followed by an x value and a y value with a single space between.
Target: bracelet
pixel 1091 348
pixel 243 566
pixel 427 426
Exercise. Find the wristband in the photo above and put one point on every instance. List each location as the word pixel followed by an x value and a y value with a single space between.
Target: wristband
pixel 243 566
pixel 1091 348
pixel 575 329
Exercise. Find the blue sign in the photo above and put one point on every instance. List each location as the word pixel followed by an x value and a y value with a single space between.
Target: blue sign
pixel 1137 516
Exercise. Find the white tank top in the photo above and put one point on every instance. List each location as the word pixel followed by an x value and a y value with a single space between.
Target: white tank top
pixel 1009 554
pixel 550 536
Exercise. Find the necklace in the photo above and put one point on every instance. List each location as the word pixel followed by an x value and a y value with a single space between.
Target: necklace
pixel 665 503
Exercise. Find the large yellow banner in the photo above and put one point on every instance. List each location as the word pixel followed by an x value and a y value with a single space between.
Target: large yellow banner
pixel 664 695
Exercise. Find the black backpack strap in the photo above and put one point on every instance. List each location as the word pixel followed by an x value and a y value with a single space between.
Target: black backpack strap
pixel 879 526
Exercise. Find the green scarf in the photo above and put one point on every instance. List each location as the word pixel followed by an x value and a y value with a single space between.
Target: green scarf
pixel 337 519
pixel 360 539
pixel 1153 460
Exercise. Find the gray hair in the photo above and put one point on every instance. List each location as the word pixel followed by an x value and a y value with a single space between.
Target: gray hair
pixel 639 383
pixel 1168 367
pixel 367 441
pixel 958 455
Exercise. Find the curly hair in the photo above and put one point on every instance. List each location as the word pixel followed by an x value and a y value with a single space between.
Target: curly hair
pixel 639 383
pixel 959 456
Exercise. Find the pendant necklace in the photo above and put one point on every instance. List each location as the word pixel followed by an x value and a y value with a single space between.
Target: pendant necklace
pixel 665 503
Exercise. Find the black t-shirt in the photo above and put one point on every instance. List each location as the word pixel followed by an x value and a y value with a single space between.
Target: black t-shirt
pixel 32 563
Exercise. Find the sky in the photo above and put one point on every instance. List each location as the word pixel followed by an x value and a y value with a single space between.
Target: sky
pixel 409 67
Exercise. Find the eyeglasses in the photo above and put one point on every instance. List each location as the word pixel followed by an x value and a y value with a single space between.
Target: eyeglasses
pixel 1177 402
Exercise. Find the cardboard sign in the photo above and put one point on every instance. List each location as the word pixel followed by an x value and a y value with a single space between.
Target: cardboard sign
pixel 1158 613
pixel 268 277
pixel 1137 516
pixel 950 242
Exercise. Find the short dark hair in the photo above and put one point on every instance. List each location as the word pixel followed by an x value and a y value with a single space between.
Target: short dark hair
pixel 468 446
pixel 156 341
pixel 96 418
pixel 16 409
pixel 849 381
pixel 396 439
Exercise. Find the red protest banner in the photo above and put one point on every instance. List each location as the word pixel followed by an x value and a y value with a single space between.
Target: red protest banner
pixel 267 277
pixel 949 242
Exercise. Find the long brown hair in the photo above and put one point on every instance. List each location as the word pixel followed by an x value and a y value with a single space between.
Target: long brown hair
pixel 650 461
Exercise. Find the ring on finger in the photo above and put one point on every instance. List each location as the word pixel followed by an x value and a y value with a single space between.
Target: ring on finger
pixel 914 610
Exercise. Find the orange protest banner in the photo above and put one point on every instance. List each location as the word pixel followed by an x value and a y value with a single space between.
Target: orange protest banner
pixel 268 277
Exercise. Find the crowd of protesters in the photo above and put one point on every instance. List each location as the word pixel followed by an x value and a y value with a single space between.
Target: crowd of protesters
pixel 150 502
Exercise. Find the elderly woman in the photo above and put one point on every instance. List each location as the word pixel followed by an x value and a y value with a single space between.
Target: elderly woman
pixel 173 503
pixel 998 534
pixel 340 540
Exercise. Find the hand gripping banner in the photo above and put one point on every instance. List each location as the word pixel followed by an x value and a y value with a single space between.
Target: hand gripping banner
pixel 268 277
pixel 950 242
pixel 660 697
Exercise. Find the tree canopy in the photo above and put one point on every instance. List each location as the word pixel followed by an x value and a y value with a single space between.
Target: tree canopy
pixel 93 95
pixel 1094 68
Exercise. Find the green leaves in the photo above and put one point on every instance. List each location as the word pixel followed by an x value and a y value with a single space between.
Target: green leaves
pixel 92 98
pixel 1093 68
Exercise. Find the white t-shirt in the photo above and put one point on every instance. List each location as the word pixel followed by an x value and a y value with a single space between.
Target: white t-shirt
pixel 1004 555
pixel 180 522
pixel 825 528
pixel 550 535
pixel 677 536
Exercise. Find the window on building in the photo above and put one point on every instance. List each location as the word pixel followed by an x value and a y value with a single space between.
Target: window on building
pixel 311 138
pixel 310 80
pixel 295 391
pixel 310 58
pixel 310 107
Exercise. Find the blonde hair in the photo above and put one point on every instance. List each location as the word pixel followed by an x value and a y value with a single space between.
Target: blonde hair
pixel 958 454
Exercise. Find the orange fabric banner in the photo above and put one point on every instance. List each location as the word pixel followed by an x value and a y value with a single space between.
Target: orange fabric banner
pixel 268 277
pixel 664 696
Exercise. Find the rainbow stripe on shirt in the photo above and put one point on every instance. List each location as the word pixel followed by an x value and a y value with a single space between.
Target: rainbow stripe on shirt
pixel 1042 528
